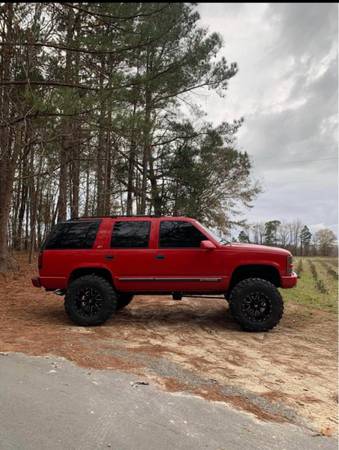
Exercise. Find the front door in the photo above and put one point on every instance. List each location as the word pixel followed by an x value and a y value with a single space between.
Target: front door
pixel 180 265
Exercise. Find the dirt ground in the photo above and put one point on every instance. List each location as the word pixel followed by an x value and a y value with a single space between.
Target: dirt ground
pixel 288 374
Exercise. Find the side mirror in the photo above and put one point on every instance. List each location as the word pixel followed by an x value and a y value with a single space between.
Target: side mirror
pixel 207 245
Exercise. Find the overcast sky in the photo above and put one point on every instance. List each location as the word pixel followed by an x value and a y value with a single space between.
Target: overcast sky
pixel 287 91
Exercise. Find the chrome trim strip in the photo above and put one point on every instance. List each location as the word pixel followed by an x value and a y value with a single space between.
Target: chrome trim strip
pixel 208 279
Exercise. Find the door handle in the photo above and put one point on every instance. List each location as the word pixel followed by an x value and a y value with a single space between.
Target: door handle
pixel 109 256
pixel 160 257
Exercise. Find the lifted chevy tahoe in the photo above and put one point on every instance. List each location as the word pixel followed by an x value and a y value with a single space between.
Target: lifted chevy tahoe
pixel 100 263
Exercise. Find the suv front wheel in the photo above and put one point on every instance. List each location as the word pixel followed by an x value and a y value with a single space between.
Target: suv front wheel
pixel 90 300
pixel 256 304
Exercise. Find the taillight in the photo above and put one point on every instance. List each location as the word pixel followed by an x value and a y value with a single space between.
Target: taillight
pixel 40 259
pixel 289 264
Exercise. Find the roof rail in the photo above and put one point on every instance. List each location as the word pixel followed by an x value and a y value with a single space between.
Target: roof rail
pixel 118 216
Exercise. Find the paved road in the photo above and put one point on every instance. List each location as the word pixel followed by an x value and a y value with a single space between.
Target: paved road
pixel 48 403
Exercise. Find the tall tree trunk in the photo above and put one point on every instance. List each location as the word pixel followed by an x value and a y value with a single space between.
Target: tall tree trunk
pixel 76 135
pixel 109 160
pixel 146 151
pixel 107 183
pixel 7 155
pixel 6 185
pixel 23 201
pixel 16 204
pixel 75 179
pixel 34 189
pixel 87 188
pixel 66 144
pixel 156 199
pixel 101 145
pixel 62 201
pixel 131 164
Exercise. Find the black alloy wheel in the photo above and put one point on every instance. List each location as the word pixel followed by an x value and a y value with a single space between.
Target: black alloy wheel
pixel 257 307
pixel 88 301
pixel 256 304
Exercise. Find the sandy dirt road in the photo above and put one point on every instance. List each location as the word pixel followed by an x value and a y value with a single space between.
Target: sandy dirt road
pixel 286 375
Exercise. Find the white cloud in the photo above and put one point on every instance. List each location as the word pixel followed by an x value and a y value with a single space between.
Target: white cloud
pixel 287 91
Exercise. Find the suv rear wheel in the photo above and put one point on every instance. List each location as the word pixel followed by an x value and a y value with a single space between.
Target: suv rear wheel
pixel 90 300
pixel 123 300
pixel 256 304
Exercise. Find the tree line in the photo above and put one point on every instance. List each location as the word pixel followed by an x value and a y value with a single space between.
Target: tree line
pixel 98 117
pixel 294 236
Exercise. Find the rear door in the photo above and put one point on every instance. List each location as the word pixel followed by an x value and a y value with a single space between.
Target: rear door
pixel 132 253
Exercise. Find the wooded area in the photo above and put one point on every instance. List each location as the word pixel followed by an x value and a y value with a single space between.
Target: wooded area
pixel 98 118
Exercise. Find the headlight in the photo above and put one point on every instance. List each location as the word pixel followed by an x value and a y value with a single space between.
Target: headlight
pixel 289 264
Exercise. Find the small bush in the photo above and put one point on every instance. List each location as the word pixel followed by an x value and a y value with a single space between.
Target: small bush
pixel 313 270
pixel 319 284
pixel 299 268
pixel 333 262
pixel 321 287
pixel 330 271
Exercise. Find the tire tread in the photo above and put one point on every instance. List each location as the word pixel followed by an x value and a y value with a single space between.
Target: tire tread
pixel 110 298
pixel 236 293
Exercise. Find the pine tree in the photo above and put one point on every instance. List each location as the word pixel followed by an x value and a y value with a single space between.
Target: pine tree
pixel 243 237
pixel 271 230
pixel 305 240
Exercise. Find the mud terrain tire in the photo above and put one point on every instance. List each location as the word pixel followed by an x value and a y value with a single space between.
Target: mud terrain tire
pixel 90 300
pixel 256 304
pixel 123 300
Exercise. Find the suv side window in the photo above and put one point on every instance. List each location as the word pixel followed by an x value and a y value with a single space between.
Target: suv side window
pixel 72 235
pixel 179 234
pixel 133 234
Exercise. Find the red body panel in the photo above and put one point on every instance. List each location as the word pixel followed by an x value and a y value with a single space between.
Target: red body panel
pixel 289 281
pixel 165 270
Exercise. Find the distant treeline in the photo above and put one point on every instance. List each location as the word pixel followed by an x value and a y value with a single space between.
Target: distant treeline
pixel 294 236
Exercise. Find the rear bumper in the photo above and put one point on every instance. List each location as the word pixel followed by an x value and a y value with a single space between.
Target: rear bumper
pixel 36 282
pixel 289 281
pixel 50 283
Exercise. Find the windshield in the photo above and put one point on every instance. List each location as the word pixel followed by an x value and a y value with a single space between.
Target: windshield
pixel 215 235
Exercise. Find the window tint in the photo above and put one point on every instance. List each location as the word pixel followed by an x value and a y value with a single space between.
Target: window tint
pixel 179 234
pixel 72 235
pixel 130 234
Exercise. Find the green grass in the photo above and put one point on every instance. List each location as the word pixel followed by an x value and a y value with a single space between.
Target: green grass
pixel 320 292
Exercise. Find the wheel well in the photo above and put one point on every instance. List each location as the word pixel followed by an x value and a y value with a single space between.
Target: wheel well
pixel 104 273
pixel 265 272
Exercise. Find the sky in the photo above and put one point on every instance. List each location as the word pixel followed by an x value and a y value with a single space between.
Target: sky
pixel 287 92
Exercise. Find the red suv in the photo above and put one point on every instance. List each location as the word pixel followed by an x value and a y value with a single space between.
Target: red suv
pixel 99 264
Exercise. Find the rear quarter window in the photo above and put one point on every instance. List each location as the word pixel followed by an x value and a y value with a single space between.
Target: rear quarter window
pixel 72 235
